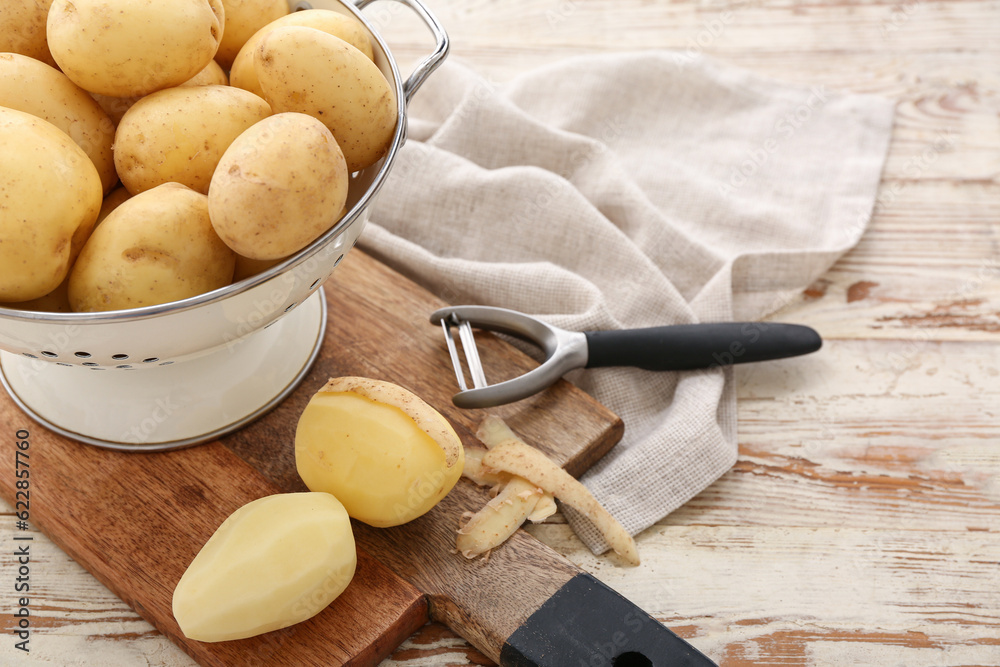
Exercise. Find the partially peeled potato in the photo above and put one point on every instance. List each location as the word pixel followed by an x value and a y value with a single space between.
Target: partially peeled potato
pixel 387 455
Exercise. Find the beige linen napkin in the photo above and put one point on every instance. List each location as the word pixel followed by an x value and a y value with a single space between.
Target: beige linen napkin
pixel 632 190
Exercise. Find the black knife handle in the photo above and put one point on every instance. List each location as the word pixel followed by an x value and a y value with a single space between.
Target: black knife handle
pixel 587 624
pixel 690 346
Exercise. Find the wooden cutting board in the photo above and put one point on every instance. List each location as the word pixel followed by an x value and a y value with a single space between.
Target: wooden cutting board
pixel 136 520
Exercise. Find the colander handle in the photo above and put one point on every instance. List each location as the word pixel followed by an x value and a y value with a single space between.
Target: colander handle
pixel 426 66
pixel 693 346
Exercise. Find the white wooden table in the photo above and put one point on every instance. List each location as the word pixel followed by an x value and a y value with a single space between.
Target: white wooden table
pixel 861 524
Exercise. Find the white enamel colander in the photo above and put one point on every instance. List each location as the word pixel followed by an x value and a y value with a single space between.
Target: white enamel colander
pixel 174 375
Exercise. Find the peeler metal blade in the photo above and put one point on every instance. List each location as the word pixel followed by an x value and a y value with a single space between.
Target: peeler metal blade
pixel 675 347
pixel 564 351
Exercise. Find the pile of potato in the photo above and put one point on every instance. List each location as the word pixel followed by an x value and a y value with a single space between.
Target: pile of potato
pixel 136 171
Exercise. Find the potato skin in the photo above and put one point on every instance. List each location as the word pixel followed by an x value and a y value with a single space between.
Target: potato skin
pixel 347 28
pixel 129 48
pixel 156 247
pixel 22 29
pixel 32 86
pixel 50 195
pixel 180 134
pixel 312 72
pixel 243 19
pixel 115 107
pixel 279 186
pixel 388 456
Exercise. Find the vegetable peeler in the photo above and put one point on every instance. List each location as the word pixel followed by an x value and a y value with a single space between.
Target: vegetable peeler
pixel 666 348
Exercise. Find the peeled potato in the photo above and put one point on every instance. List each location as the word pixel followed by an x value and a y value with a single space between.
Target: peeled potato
pixel 274 562
pixel 381 450
pixel 312 72
pixel 345 27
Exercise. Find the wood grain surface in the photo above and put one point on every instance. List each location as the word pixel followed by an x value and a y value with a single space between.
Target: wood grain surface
pixel 137 520
pixel 860 524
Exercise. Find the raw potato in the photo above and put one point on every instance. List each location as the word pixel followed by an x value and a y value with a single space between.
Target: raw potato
pixel 178 135
pixel 243 19
pixel 274 562
pixel 381 450
pixel 246 267
pixel 157 247
pixel 112 200
pixel 278 187
pixel 125 48
pixel 512 455
pixel 312 72
pixel 50 195
pixel 22 29
pixel 115 107
pixel 345 27
pixel 56 301
pixel 211 75
pixel 33 87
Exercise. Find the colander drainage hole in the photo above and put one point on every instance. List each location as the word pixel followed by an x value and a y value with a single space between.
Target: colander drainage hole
pixel 338 261
pixel 290 306
pixel 90 363
pixel 50 355
pixel 150 360
pixel 29 355
pixel 119 357
pixel 82 355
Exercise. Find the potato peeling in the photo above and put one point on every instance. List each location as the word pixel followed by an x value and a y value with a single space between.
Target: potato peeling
pixel 528 483
pixel 503 515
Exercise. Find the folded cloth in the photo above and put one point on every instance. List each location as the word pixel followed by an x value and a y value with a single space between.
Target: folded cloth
pixel 632 190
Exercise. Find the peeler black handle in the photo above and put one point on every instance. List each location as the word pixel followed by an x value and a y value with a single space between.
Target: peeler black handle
pixel 586 623
pixel 691 346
